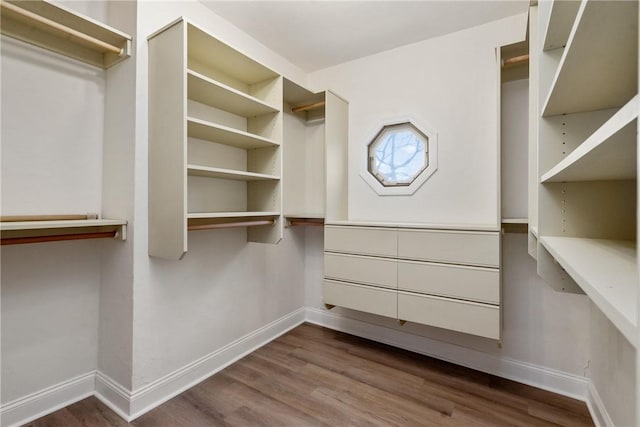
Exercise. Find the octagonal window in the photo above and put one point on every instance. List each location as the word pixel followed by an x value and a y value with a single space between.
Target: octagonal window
pixel 398 154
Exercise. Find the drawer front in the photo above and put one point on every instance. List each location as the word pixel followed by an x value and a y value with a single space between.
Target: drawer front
pixel 456 315
pixel 470 283
pixel 361 240
pixel 360 269
pixel 458 247
pixel 383 302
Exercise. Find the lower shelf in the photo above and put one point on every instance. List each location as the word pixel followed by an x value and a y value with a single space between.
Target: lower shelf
pixel 606 271
pixel 22 232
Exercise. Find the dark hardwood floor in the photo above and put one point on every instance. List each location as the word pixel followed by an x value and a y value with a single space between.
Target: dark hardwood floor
pixel 313 376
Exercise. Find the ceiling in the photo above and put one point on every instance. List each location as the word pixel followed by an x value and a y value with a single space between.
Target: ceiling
pixel 319 34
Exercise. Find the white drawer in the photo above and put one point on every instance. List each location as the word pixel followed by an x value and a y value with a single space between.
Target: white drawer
pixel 470 283
pixel 383 302
pixel 458 247
pixel 468 317
pixel 360 269
pixel 361 240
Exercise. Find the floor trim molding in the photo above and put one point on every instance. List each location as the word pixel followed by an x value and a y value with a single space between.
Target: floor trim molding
pixel 154 394
pixel 537 376
pixel 599 414
pixel 131 405
pixel 45 401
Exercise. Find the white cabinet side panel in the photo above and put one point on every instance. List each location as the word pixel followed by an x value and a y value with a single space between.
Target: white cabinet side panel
pixel 337 157
pixel 167 144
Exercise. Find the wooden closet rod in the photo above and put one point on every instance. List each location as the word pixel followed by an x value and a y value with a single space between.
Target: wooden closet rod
pixel 309 222
pixel 231 224
pixel 63 28
pixel 308 107
pixel 20 218
pixel 515 60
pixel 56 238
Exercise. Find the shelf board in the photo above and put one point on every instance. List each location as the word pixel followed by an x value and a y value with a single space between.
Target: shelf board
pixel 214 132
pixel 606 271
pixel 608 154
pixel 241 214
pixel 194 170
pixel 215 94
pixel 60 230
pixel 534 231
pixel 63 31
pixel 215 54
pixel 563 14
pixel 599 66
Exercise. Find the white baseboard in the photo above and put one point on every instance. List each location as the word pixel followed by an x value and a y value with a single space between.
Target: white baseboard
pixel 50 399
pixel 163 389
pixel 130 405
pixel 559 382
pixel 599 414
pixel 114 395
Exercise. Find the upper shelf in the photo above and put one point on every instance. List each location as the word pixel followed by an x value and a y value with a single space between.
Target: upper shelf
pixel 195 170
pixel 563 14
pixel 215 132
pixel 608 154
pixel 606 271
pixel 215 94
pixel 598 69
pixel 214 54
pixel 44 231
pixel 65 32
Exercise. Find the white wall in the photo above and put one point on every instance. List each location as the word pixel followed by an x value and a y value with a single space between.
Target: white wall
pixel 52 131
pixel 613 369
pixel 224 288
pixel 448 84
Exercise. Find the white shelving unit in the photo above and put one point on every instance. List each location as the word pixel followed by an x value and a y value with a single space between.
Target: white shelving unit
pixel 214 143
pixel 64 31
pixel 599 66
pixel 606 270
pixel 587 155
pixel 608 154
pixel 559 24
pixel 315 132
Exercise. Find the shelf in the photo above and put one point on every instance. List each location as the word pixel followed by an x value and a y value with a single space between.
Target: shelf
pixel 534 231
pixel 213 53
pixel 213 132
pixel 214 215
pixel 563 14
pixel 194 170
pixel 598 69
pixel 215 94
pixel 606 271
pixel 63 31
pixel 42 231
pixel 608 154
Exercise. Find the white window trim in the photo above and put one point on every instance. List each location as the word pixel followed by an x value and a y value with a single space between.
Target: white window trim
pixel 400 190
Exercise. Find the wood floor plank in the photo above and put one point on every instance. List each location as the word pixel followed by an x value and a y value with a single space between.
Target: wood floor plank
pixel 314 376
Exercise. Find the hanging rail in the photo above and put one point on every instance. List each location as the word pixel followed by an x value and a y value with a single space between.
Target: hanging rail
pixel 308 107
pixel 515 60
pixel 231 224
pixel 62 28
pixel 58 237
pixel 311 222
